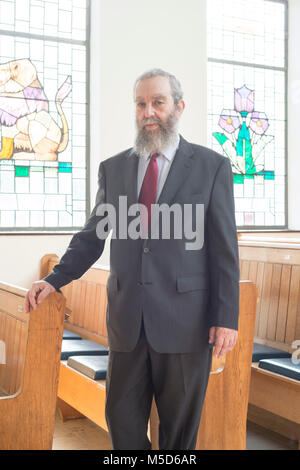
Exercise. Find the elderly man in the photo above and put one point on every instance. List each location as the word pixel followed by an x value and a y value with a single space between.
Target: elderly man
pixel 169 301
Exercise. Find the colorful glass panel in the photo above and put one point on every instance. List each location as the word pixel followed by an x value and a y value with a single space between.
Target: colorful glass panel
pixel 247 104
pixel 43 113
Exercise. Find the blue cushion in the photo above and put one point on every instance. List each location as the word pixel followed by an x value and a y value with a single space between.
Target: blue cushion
pixel 80 348
pixel 282 366
pixel 261 351
pixel 70 335
pixel 94 367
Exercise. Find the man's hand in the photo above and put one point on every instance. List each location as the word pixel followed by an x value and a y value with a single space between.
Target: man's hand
pixel 37 293
pixel 224 339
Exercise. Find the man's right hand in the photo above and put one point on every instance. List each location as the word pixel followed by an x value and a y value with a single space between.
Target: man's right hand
pixel 37 293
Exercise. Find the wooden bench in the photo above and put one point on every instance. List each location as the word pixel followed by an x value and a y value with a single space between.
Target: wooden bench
pixel 273 264
pixel 29 369
pixel 78 395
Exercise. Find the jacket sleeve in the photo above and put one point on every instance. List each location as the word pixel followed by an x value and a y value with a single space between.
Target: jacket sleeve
pixel 222 242
pixel 85 246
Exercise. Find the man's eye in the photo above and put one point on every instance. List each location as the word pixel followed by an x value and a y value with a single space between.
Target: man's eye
pixel 159 103
pixel 140 105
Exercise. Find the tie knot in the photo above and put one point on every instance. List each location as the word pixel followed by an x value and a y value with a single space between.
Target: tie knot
pixel 154 156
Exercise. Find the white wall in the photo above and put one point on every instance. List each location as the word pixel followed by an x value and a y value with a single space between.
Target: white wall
pixel 20 256
pixel 128 37
pixel 293 115
pixel 137 35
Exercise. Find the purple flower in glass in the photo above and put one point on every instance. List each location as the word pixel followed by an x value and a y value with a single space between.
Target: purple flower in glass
pixel 243 99
pixel 229 120
pixel 259 122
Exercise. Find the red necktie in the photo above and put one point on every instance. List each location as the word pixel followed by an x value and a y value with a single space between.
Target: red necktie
pixel 149 187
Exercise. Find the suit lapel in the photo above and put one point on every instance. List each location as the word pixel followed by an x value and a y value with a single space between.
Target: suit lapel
pixel 130 177
pixel 179 171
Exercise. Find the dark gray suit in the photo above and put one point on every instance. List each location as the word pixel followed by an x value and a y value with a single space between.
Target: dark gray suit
pixel 178 293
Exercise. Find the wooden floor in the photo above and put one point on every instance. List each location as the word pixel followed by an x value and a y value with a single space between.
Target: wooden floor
pixel 82 434
pixel 79 434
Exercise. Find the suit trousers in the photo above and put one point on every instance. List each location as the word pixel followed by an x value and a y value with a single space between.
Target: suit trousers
pixel 178 383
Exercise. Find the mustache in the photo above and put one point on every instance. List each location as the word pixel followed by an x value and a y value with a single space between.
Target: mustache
pixel 153 120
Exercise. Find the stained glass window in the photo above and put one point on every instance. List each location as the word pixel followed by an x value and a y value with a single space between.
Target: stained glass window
pixel 247 104
pixel 43 114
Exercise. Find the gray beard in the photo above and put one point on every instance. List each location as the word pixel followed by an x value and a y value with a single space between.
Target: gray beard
pixel 156 141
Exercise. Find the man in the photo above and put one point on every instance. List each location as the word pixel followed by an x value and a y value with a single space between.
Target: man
pixel 168 302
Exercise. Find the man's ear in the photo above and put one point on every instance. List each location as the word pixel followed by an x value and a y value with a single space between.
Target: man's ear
pixel 180 107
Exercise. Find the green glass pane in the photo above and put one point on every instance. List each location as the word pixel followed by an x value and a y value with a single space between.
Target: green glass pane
pixel 239 179
pixel 269 175
pixel 221 138
pixel 65 167
pixel 22 170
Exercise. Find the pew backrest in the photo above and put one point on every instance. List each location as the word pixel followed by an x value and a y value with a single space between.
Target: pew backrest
pixel 274 266
pixel 13 338
pixel 86 300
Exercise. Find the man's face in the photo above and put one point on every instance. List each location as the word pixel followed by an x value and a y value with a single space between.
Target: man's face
pixel 155 103
pixel 156 115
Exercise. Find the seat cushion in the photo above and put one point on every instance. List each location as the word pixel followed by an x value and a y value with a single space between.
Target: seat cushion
pixel 261 351
pixel 70 335
pixel 81 347
pixel 94 367
pixel 282 366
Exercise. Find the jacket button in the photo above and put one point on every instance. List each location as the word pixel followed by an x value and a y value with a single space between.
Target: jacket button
pixel 146 250
pixel 139 283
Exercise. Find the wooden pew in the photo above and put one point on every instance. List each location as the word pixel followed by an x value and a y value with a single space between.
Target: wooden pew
pixel 78 395
pixel 86 300
pixel 273 264
pixel 29 369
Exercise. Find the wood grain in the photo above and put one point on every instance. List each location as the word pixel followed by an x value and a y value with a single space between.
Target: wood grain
pixel 27 417
pixel 278 324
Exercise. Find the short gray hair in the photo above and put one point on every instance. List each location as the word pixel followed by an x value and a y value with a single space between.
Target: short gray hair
pixel 175 85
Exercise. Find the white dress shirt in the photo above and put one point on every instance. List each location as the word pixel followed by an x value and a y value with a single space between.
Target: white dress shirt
pixel 164 162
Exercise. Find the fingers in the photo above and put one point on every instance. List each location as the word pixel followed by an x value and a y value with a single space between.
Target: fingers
pixel 221 347
pixel 36 295
pixel 43 294
pixel 27 304
pixel 225 341
pixel 212 334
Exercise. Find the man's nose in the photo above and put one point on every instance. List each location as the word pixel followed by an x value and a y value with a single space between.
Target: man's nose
pixel 149 111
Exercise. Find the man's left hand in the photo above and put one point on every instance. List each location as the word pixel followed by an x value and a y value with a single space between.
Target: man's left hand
pixel 224 339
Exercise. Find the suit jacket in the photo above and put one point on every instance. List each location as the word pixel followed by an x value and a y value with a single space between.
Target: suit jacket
pixel 179 293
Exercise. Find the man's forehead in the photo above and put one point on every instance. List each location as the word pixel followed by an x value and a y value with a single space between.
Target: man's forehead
pixel 156 87
pixel 154 96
